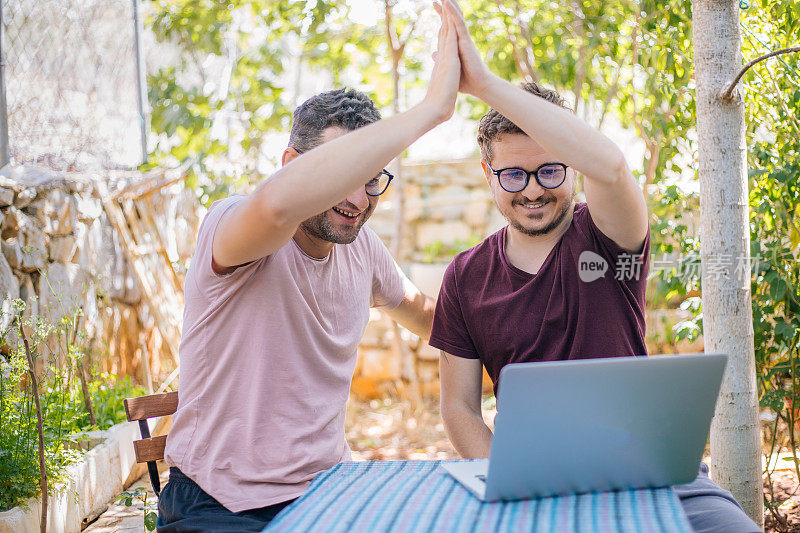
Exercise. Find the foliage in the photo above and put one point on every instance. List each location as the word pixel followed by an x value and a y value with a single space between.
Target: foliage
pixel 438 251
pixel 237 76
pixel 630 59
pixel 773 107
pixel 149 514
pixel 64 416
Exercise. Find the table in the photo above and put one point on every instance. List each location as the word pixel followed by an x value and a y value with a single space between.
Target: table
pixel 405 496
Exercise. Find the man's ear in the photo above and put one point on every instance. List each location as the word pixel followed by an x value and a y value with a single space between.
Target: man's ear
pixel 289 154
pixel 486 172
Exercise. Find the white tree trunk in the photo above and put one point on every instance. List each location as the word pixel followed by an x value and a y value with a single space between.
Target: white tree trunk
pixel 725 245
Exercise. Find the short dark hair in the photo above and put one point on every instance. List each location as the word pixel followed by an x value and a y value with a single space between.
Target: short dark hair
pixel 493 125
pixel 346 108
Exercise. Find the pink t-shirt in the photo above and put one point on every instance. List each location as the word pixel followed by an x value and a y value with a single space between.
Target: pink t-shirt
pixel 267 356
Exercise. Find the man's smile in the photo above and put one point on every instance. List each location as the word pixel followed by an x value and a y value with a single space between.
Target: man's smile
pixel 349 215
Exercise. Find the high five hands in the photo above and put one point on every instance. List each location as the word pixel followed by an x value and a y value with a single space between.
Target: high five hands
pixel 458 66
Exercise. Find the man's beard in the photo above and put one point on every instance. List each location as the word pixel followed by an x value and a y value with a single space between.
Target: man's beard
pixel 535 232
pixel 320 226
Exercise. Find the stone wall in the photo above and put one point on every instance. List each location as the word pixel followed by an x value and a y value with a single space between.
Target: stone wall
pixel 448 208
pixel 59 249
pixel 60 252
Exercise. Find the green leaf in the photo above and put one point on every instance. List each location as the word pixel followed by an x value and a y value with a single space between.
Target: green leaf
pixel 150 521
pixel 784 330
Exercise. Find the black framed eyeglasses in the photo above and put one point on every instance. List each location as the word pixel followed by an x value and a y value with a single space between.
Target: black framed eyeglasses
pixel 548 176
pixel 378 185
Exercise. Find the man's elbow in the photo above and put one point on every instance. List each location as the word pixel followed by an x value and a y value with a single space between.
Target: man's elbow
pixel 454 412
pixel 621 171
pixel 271 213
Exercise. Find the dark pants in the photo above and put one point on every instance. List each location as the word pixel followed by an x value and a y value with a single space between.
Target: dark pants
pixel 712 509
pixel 184 507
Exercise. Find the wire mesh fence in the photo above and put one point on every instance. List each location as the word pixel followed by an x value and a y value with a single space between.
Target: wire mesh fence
pixel 71 83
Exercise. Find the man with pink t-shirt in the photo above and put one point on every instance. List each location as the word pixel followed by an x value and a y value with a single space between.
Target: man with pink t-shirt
pixel 277 299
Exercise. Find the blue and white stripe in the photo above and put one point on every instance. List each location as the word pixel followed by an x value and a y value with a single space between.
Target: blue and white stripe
pixel 418 496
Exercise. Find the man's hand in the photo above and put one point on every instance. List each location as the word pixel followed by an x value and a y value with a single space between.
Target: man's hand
pixel 613 195
pixel 443 88
pixel 319 179
pixel 474 72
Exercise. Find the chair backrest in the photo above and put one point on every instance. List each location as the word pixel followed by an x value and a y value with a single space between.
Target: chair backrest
pixel 150 449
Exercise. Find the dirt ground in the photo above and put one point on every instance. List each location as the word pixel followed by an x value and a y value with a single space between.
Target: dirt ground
pixel 785 489
pixel 390 429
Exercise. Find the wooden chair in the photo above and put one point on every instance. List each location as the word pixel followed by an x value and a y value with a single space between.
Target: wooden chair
pixel 149 450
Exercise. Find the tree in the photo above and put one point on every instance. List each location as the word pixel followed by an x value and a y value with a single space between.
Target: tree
pixel 626 58
pixel 727 319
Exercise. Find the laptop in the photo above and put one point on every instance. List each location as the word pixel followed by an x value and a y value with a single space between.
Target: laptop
pixel 596 425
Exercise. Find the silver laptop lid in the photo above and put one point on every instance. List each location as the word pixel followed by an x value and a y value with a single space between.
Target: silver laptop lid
pixel 601 424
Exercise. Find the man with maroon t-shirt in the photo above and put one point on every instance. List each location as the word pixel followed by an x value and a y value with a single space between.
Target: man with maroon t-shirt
pixel 562 280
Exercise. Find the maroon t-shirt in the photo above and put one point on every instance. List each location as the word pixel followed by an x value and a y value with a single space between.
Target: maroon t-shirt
pixel 571 309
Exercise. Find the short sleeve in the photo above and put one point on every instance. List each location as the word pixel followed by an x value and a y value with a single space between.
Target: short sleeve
pixel 388 280
pixel 449 327
pixel 627 266
pixel 209 283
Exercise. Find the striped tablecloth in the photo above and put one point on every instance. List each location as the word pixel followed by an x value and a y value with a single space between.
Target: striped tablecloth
pixel 419 496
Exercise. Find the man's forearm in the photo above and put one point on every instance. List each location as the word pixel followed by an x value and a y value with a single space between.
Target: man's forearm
pixel 470 435
pixel 559 131
pixel 415 312
pixel 319 179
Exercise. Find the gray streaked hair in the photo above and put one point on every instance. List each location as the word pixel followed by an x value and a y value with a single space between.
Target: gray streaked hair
pixel 348 109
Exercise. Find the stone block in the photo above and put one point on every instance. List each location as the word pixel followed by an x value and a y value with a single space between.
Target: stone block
pixel 25 197
pixel 61 290
pixel 27 293
pixel 120 282
pixel 91 254
pixel 428 277
pixel 33 243
pixel 10 225
pixel 9 291
pixel 6 197
pixel 449 203
pixel 87 208
pixel 56 212
pixel 62 248
pixel 64 213
pixel 12 253
pixel 477 212
pixel 448 233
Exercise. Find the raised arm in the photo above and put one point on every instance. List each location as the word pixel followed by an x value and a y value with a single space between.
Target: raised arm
pixel 461 381
pixel 319 179
pixel 613 195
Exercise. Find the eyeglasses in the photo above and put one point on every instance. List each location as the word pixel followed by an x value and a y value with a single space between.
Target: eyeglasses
pixel 549 176
pixel 377 185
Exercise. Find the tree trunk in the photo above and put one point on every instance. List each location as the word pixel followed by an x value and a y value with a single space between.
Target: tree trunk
pixel 39 427
pixel 725 244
